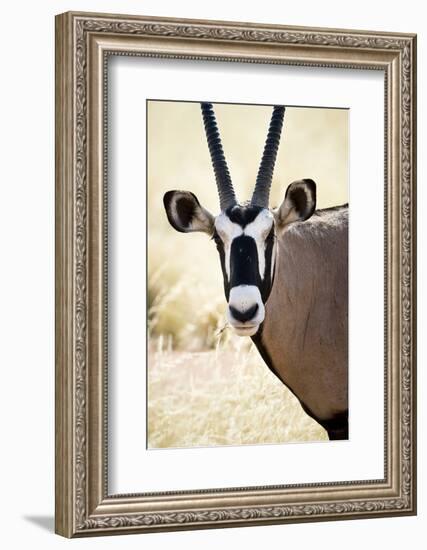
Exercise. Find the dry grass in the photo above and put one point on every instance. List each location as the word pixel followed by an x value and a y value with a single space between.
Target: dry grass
pixel 225 396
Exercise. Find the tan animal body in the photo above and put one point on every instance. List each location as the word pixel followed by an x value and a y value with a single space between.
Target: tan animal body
pixel 304 337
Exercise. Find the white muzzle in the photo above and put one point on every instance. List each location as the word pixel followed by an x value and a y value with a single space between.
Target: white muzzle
pixel 245 309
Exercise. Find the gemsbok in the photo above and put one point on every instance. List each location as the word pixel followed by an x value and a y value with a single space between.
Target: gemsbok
pixel 285 276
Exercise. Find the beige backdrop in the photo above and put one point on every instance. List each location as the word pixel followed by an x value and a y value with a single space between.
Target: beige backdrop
pixel 193 357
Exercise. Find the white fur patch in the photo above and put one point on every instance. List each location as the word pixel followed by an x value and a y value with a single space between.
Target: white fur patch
pixel 273 258
pixel 242 298
pixel 228 231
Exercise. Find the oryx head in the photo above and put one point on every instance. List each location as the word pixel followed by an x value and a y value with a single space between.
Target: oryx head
pixel 245 234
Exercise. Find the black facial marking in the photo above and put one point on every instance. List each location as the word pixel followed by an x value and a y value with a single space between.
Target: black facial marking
pixel 220 248
pixel 243 215
pixel 246 315
pixel 244 262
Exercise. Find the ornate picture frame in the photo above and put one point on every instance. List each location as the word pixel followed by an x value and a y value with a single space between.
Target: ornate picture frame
pixel 84 42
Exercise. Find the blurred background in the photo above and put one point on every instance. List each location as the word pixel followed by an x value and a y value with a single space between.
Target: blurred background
pixel 205 385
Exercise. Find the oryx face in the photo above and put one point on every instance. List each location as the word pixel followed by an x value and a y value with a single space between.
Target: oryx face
pixel 245 235
pixel 245 238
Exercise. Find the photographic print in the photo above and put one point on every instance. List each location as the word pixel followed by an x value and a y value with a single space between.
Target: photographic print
pixel 235 274
pixel 247 315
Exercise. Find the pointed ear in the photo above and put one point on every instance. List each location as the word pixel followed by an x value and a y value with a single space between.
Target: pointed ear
pixel 299 203
pixel 185 214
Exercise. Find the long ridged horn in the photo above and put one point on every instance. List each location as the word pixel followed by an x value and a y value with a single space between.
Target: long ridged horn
pixel 227 197
pixel 261 193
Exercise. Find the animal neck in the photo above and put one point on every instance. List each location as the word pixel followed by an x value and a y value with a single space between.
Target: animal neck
pixel 303 338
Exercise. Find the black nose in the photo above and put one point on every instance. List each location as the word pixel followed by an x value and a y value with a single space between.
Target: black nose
pixel 244 316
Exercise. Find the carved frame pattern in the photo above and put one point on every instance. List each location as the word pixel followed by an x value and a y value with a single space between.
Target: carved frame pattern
pixel 83 506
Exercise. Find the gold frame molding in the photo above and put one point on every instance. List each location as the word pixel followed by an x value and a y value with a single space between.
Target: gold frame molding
pixel 83 43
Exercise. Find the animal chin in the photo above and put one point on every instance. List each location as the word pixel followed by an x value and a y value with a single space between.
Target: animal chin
pixel 242 330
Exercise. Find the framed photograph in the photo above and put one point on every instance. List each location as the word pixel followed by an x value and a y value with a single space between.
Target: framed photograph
pixel 235 274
